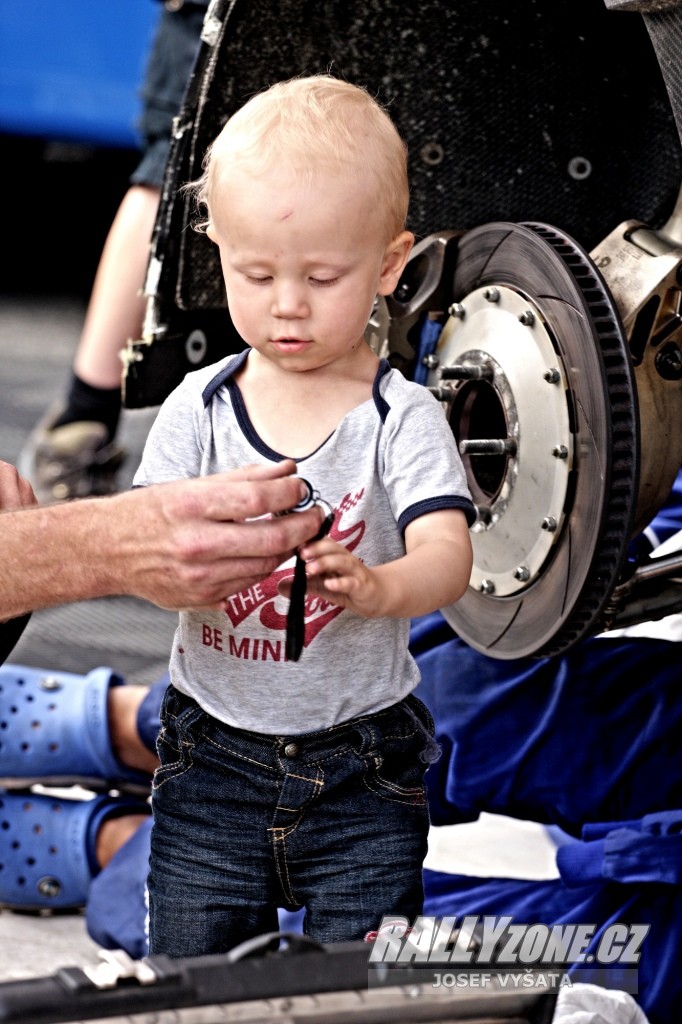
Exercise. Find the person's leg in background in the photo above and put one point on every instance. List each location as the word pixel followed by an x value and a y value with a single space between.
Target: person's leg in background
pixel 72 452
pixel 586 741
pixel 95 732
pixel 81 851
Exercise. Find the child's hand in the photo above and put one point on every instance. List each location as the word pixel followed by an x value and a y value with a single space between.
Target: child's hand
pixel 339 577
pixel 433 572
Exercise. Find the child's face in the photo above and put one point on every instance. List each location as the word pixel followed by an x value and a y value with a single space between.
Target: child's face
pixel 302 263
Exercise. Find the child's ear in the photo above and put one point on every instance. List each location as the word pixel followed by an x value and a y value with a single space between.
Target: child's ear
pixel 395 257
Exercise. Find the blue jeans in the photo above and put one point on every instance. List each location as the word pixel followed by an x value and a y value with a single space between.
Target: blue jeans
pixel 334 821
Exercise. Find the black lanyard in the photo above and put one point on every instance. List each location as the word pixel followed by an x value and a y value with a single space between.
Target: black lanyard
pixel 296 613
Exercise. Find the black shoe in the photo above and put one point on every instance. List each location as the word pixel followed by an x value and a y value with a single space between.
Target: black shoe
pixel 72 461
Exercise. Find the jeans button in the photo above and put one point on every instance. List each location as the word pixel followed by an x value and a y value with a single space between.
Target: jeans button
pixel 291 750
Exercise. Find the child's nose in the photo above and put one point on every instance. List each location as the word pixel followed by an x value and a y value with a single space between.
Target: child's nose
pixel 289 301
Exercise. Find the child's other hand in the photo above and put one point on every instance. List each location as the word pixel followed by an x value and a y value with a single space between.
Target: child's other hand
pixel 339 577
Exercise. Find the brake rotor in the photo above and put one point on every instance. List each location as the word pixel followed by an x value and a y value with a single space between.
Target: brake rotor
pixel 535 374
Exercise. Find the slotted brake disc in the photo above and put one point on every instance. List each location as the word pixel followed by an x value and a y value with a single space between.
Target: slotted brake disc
pixel 535 373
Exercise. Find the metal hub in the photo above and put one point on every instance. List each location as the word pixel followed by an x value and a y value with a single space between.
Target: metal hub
pixel 520 484
pixel 535 373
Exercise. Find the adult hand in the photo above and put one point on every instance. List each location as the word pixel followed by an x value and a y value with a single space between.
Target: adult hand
pixel 185 544
pixel 202 540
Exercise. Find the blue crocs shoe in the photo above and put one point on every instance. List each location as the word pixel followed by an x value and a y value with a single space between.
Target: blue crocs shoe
pixel 54 730
pixel 47 847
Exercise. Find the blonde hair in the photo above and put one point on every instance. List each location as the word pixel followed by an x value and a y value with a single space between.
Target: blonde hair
pixel 307 125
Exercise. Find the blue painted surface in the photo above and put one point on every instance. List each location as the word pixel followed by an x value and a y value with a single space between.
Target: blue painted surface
pixel 71 70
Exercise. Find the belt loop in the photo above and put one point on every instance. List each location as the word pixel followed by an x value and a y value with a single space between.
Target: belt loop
pixel 432 751
pixel 367 736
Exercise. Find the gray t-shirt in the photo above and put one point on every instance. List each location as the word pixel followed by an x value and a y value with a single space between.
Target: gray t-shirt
pixel 389 461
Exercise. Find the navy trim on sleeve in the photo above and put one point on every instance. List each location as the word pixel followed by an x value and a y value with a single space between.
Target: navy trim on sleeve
pixel 443 501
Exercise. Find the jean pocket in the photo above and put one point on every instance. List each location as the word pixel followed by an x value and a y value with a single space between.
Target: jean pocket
pixel 180 717
pixel 398 754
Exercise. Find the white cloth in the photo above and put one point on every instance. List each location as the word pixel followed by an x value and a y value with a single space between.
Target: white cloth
pixel 590 1004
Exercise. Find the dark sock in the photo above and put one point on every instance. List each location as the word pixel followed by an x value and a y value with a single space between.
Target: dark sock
pixel 85 402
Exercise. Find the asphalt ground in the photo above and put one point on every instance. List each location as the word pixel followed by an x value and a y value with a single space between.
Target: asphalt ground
pixel 38 335
pixel 52 242
pixel 52 237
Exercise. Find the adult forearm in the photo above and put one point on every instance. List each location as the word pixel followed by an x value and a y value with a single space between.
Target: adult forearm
pixel 185 544
pixel 52 555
